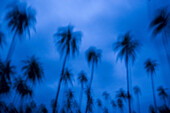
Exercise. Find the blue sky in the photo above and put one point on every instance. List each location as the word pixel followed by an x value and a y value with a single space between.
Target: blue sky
pixel 101 22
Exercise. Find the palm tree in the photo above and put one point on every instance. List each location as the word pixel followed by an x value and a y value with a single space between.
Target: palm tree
pixel 120 104
pixel 99 103
pixel 89 106
pixel 93 56
pixel 67 41
pixel 150 66
pixel 137 92
pixel 33 70
pixel 126 48
pixel 163 94
pixel 69 100
pixel 83 80
pixel 160 25
pixel 121 94
pixel 6 72
pixel 113 103
pixel 105 95
pixel 22 88
pixel 20 20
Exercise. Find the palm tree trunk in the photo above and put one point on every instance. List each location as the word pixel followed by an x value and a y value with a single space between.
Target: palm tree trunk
pixel 11 48
pixel 153 89
pixel 138 103
pixel 128 93
pixel 92 71
pixel 59 85
pixel 90 83
pixel 81 96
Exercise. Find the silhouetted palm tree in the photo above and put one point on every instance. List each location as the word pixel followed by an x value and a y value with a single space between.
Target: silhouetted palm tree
pixel 69 101
pixel 105 95
pixel 68 44
pixel 113 103
pixel 20 20
pixel 93 56
pixel 150 66
pixel 89 106
pixel 120 104
pixel 105 110
pixel 160 24
pixel 163 94
pixel 121 94
pixel 99 104
pixel 33 69
pixel 126 48
pixel 137 92
pixel 6 71
pixel 83 80
pixel 22 88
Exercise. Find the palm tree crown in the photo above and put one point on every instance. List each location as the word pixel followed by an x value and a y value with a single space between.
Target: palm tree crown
pixel 21 18
pixel 150 66
pixel 161 22
pixel 67 76
pixel 137 90
pixel 93 55
pixel 68 40
pixel 127 47
pixel 82 78
pixel 22 88
pixel 33 69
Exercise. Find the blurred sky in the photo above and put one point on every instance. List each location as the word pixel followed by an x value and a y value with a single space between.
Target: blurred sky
pixel 101 22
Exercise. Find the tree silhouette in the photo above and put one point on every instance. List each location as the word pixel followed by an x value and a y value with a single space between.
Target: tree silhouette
pixel 137 92
pixel 126 48
pixel 67 42
pixel 113 103
pixel 160 24
pixel 120 104
pixel 93 56
pixel 99 103
pixel 22 88
pixel 6 71
pixel 163 94
pixel 33 70
pixel 150 66
pixel 82 80
pixel 89 106
pixel 20 20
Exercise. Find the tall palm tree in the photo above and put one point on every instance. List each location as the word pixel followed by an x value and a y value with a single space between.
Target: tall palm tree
pixel 121 94
pixel 69 101
pixel 105 95
pixel 20 20
pixel 67 41
pixel 137 92
pixel 93 56
pixel 163 94
pixel 126 48
pixel 83 80
pixel 160 25
pixel 150 66
pixel 33 70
